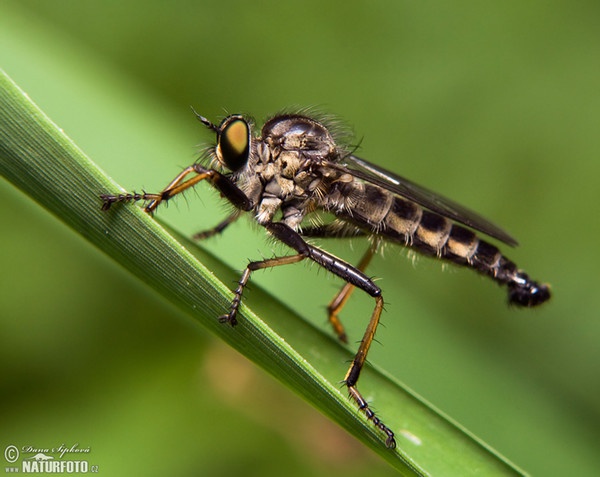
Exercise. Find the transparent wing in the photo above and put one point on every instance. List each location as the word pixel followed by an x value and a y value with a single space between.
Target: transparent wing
pixel 430 200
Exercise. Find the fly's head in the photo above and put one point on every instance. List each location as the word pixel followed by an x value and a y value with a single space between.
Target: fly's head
pixel 233 147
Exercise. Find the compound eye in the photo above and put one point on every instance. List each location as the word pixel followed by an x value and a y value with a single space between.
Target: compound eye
pixel 233 143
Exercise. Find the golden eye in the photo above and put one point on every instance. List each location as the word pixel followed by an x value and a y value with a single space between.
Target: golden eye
pixel 233 143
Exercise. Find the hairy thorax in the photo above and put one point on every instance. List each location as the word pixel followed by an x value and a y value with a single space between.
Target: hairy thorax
pixel 291 173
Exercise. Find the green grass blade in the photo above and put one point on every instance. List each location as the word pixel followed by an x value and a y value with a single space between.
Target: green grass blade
pixel 45 164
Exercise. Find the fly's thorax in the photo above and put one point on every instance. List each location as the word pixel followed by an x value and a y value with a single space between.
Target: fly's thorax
pixel 294 132
pixel 279 180
pixel 293 154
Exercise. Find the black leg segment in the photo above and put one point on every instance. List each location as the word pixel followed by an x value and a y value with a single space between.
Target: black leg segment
pixel 357 278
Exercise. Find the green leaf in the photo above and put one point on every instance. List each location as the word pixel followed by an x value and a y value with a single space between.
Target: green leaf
pixel 38 158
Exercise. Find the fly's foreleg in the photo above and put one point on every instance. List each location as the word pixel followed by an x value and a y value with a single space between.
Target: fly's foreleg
pixel 355 278
pixel 178 185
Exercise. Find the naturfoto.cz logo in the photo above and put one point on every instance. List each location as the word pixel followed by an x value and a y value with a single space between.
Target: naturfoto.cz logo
pixel 40 460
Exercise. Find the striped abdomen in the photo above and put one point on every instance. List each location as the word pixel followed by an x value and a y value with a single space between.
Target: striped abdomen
pixel 409 224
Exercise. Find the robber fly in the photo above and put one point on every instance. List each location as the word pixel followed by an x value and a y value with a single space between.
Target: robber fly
pixel 295 168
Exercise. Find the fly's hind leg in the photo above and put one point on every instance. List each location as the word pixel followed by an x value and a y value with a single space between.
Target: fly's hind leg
pixel 335 306
pixel 342 230
pixel 356 278
pixel 354 372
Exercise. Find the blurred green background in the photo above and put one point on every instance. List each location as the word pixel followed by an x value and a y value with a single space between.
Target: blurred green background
pixel 496 105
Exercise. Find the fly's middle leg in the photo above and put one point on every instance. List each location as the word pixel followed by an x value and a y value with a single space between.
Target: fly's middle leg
pixel 217 229
pixel 252 266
